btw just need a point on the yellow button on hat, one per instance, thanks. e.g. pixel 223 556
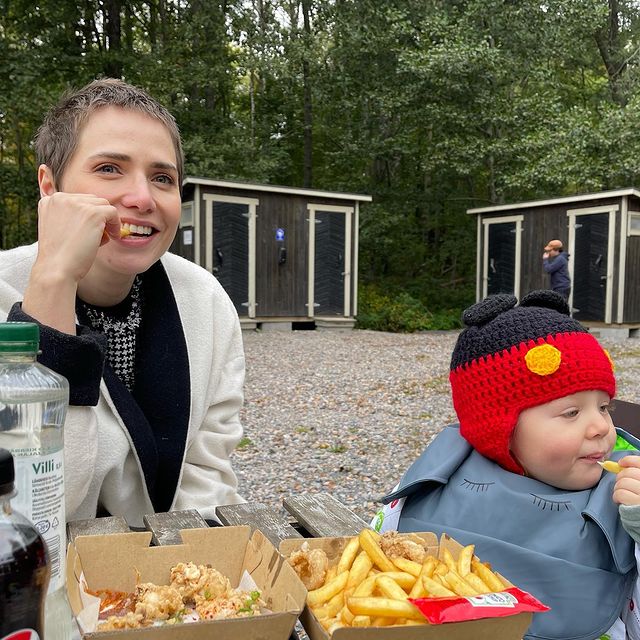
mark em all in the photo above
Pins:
pixel 543 359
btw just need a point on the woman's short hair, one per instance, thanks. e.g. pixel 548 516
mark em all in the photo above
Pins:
pixel 57 137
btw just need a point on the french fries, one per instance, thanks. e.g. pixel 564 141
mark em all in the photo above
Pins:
pixel 368 588
pixel 325 593
pixel 464 560
pixel 372 547
pixel 384 607
pixel 348 555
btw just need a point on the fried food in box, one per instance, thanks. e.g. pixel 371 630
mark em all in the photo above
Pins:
pixel 375 576
pixel 196 592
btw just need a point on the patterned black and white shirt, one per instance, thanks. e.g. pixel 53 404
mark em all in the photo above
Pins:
pixel 120 324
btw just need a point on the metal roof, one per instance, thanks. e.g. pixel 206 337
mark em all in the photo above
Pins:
pixel 541 203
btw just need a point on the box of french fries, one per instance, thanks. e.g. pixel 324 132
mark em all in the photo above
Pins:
pixel 405 586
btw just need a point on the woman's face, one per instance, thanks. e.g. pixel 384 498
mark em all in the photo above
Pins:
pixel 128 158
pixel 560 442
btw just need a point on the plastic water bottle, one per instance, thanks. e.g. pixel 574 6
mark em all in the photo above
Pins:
pixel 24 566
pixel 33 406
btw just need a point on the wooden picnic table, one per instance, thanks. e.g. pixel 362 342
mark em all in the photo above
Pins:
pixel 310 516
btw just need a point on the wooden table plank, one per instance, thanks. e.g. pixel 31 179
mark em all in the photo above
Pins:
pixel 273 524
pixel 324 516
pixel 96 526
pixel 165 527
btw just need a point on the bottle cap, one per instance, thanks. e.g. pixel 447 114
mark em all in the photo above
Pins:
pixel 19 337
pixel 7 472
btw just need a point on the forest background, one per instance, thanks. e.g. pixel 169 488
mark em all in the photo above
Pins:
pixel 430 106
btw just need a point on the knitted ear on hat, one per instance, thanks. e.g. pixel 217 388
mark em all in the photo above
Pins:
pixel 510 358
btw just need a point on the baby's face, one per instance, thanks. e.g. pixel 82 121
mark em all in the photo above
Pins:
pixel 560 442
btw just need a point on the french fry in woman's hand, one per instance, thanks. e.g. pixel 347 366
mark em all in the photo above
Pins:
pixel 124 232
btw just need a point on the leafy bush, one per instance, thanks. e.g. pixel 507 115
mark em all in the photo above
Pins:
pixel 400 313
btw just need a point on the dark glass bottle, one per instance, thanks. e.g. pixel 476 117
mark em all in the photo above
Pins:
pixel 24 565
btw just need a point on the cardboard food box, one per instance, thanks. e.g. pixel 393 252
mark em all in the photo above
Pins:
pixel 508 628
pixel 111 562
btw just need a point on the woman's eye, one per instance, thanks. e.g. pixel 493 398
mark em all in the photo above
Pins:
pixel 164 179
pixel 107 168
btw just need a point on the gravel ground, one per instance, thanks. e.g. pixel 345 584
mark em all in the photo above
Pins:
pixel 346 412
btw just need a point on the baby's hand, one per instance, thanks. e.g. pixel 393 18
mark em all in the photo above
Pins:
pixel 627 488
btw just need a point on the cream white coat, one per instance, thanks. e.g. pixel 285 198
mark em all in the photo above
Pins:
pixel 101 464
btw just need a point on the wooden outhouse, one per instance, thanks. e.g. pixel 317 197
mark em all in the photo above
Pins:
pixel 284 255
pixel 601 234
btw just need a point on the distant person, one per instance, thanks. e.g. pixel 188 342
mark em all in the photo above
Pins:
pixel 556 263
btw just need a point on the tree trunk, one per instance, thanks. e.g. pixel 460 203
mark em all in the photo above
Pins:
pixel 613 53
pixel 113 32
pixel 307 107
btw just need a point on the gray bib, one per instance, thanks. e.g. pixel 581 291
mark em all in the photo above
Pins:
pixel 567 548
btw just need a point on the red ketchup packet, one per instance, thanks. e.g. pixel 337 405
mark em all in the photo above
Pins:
pixel 488 605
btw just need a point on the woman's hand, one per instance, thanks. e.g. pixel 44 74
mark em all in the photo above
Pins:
pixel 70 232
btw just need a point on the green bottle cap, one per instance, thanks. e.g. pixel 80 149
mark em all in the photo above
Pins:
pixel 19 337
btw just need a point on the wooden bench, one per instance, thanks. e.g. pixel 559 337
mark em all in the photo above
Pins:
pixel 311 516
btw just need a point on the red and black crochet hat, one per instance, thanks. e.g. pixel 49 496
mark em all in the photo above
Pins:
pixel 510 358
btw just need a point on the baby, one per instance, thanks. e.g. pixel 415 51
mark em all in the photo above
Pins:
pixel 519 476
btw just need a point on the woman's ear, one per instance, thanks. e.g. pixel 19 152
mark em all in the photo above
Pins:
pixel 45 181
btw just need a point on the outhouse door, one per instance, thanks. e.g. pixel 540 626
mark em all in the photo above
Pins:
pixel 591 233
pixel 329 278
pixel 229 238
pixel 502 248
